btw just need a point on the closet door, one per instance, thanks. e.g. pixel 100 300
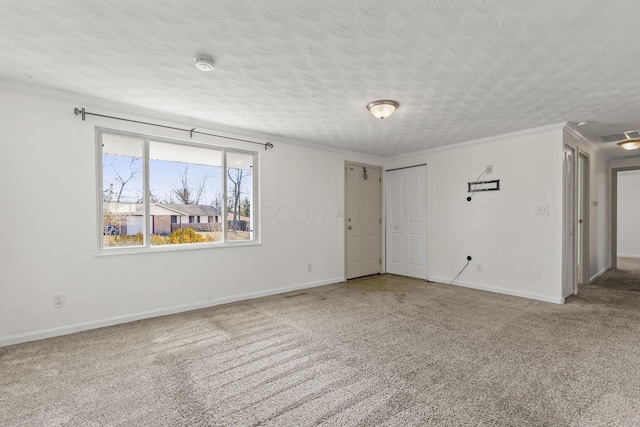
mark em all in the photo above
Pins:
pixel 406 222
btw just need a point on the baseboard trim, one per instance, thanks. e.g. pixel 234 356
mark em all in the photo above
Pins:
pixel 85 326
pixel 599 273
pixel 628 256
pixel 496 290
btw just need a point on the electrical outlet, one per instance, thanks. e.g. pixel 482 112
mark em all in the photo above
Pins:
pixel 542 210
pixel 309 268
pixel 478 268
pixel 59 301
pixel 489 168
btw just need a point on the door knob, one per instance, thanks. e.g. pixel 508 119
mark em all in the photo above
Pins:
pixel 350 227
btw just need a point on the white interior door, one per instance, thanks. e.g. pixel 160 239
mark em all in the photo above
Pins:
pixel 406 222
pixel 363 220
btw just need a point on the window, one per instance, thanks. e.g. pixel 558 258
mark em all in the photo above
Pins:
pixel 166 193
pixel 239 195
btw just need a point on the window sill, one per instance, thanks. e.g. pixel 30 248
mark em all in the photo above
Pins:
pixel 174 248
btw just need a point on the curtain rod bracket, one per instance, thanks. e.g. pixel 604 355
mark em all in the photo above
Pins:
pixel 267 146
pixel 191 132
pixel 78 111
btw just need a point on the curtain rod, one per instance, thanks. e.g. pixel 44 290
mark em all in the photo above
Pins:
pixel 406 167
pixel 83 112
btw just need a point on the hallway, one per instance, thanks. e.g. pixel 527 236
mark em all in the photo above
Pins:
pixel 626 277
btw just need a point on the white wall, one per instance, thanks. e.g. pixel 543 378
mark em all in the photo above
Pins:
pixel 520 252
pixel 599 209
pixel 629 214
pixel 47 170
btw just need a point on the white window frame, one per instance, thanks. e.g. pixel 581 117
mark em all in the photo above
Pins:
pixel 147 246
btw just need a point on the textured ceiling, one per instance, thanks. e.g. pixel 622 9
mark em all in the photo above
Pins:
pixel 306 69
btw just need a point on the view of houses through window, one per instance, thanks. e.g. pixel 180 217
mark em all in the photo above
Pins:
pixel 195 193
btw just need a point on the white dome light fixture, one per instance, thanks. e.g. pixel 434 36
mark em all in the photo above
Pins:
pixel 631 144
pixel 383 108
pixel 203 63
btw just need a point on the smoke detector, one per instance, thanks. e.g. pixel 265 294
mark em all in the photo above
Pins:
pixel 203 63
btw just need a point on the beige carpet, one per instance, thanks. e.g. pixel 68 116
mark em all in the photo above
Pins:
pixel 625 277
pixel 343 355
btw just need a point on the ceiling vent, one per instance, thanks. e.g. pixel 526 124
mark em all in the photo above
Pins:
pixel 632 134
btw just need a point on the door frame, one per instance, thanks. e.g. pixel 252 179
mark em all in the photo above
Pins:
pixel 614 212
pixel 583 204
pixel 573 215
pixel 347 163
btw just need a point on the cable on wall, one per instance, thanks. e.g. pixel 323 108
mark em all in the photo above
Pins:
pixel 82 112
pixel 476 186
pixel 463 268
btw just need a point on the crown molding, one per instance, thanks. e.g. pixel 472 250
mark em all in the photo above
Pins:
pixel 595 147
pixel 150 114
pixel 233 132
pixel 123 108
pixel 484 140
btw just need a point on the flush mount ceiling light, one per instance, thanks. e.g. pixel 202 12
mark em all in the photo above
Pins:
pixel 583 123
pixel 630 144
pixel 383 108
pixel 203 63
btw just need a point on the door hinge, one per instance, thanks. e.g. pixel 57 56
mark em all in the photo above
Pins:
pixel 380 220
pixel 380 180
pixel 380 261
